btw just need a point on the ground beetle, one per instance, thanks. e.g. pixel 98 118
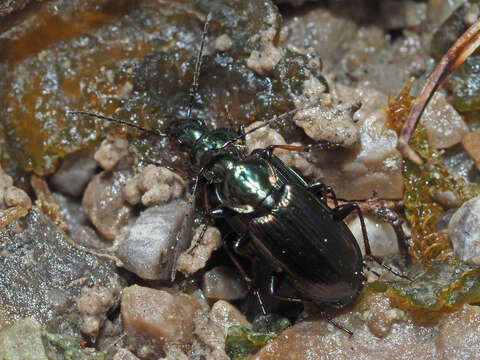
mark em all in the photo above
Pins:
pixel 267 204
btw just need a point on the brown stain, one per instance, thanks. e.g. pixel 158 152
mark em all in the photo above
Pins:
pixel 51 29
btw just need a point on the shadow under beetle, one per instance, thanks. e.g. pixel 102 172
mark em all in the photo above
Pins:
pixel 284 220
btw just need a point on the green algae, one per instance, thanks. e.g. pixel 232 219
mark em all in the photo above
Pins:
pixel 440 287
pixel 422 182
pixel 242 341
pixel 66 348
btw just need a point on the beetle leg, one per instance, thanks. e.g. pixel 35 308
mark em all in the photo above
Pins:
pixel 231 250
pixel 320 145
pixel 391 217
pixel 242 271
pixel 341 212
pixel 273 289
pixel 323 189
pixel 212 214
pixel 240 245
pixel 327 317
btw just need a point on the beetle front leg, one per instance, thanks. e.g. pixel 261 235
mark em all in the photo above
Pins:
pixel 231 250
pixel 211 214
pixel 323 189
pixel 341 212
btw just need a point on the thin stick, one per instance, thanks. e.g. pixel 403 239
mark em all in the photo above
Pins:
pixel 456 55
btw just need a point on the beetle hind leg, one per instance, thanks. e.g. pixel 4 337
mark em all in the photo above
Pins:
pixel 327 317
pixel 320 145
pixel 341 212
pixel 323 190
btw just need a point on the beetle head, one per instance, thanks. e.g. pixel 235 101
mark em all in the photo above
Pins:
pixel 185 132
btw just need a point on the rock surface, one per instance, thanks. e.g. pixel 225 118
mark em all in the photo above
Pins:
pixel 464 232
pixel 41 273
pixel 23 341
pixel 380 332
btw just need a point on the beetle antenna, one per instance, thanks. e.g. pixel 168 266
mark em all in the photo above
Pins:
pixel 266 123
pixel 196 73
pixel 116 121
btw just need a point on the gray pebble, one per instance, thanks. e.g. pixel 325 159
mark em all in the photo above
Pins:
pixel 464 231
pixel 224 283
pixel 149 247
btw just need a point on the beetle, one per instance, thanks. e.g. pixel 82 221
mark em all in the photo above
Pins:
pixel 285 221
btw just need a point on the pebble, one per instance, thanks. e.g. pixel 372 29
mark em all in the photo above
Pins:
pixel 459 334
pixel 93 305
pixel 225 283
pixel 439 10
pixel 6 181
pixel 471 144
pixel 153 186
pixel 113 153
pixel 74 174
pixel 124 354
pixel 104 203
pixel 189 263
pixel 382 238
pixel 223 43
pixel 158 315
pixel 17 197
pixel 464 232
pixel 226 315
pixel 264 60
pixel 324 118
pixel 372 165
pixel 445 127
pixel 150 245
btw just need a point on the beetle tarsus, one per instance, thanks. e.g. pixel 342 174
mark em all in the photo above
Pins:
pixel 327 317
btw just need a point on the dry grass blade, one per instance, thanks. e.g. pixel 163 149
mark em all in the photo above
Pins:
pixel 456 55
